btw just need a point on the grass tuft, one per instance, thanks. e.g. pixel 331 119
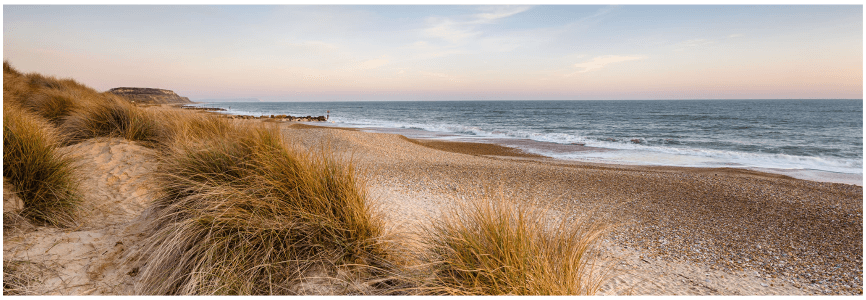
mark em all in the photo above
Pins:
pixel 54 105
pixel 493 247
pixel 38 81
pixel 244 214
pixel 112 116
pixel 181 126
pixel 42 176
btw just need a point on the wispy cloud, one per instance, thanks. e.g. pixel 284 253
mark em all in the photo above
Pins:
pixel 459 29
pixel 603 11
pixel 602 61
pixel 493 13
pixel 451 31
pixel 588 22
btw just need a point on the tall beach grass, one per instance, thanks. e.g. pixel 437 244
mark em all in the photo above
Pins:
pixel 243 213
pixel 15 87
pixel 114 117
pixel 41 175
pixel 54 105
pixel 493 246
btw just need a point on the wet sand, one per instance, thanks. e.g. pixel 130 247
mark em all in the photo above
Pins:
pixel 739 231
pixel 472 148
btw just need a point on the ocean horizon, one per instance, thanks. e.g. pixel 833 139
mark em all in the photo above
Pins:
pixel 804 138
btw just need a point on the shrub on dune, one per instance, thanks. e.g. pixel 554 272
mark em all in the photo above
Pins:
pixel 42 176
pixel 244 214
pixel 493 247
pixel 54 105
pixel 193 126
pixel 112 116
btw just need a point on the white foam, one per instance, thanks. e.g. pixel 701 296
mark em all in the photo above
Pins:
pixel 638 153
pixel 713 158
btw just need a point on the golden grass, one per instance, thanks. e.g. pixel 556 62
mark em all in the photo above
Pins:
pixel 42 177
pixel 54 105
pixel 15 86
pixel 80 112
pixel 114 117
pixel 491 246
pixel 183 125
pixel 7 68
pixel 245 214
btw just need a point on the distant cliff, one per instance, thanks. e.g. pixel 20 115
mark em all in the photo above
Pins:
pixel 149 95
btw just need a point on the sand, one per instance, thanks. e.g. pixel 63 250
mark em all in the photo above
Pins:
pixel 90 258
pixel 683 231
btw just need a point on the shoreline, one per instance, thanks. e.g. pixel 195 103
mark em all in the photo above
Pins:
pixel 506 150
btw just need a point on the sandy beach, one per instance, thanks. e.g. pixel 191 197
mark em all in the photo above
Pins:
pixel 684 230
pixel 681 231
pixel 582 149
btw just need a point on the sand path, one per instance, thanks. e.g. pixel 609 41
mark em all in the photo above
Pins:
pixel 89 259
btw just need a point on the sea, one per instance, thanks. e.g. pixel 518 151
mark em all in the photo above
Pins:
pixel 810 139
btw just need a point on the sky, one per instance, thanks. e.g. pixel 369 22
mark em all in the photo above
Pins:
pixel 458 52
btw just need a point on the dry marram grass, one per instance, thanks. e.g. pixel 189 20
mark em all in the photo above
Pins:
pixel 492 246
pixel 19 277
pixel 42 176
pixel 112 116
pixel 244 214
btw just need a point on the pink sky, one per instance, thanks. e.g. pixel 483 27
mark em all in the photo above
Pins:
pixel 325 53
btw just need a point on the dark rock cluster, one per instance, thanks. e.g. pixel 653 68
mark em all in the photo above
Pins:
pixel 282 117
